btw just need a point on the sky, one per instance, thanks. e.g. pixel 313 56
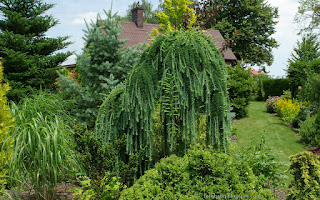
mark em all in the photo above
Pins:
pixel 71 15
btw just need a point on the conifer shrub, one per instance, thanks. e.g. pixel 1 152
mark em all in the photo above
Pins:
pixel 259 93
pixel 184 75
pixel 310 130
pixel 305 168
pixel 102 66
pixel 240 88
pixel 6 122
pixel 200 172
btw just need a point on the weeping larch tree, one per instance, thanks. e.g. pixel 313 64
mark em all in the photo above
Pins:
pixel 183 75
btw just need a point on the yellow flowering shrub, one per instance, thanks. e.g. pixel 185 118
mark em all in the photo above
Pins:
pixel 288 109
pixel 6 122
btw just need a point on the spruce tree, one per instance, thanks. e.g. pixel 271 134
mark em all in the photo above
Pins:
pixel 102 66
pixel 28 54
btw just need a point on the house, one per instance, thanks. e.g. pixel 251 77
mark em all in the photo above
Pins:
pixel 255 72
pixel 137 32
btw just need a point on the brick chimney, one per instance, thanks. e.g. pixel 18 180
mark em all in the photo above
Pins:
pixel 137 16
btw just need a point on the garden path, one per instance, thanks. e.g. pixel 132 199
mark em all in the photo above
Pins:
pixel 277 134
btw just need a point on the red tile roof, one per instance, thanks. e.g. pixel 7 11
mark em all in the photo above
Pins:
pixel 255 72
pixel 137 35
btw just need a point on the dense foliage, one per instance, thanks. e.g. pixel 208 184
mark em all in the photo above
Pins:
pixel 42 154
pixel 305 168
pixel 271 103
pixel 310 130
pixel 28 54
pixel 177 15
pixel 288 109
pixel 246 25
pixel 184 79
pixel 199 173
pixel 103 65
pixel 275 87
pixel 240 88
pixel 308 11
pixel 259 93
pixel 6 122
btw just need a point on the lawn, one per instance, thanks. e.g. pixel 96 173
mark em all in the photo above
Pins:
pixel 277 134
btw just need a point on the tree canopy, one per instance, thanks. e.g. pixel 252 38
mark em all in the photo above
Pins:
pixel 29 56
pixel 246 25
pixel 308 15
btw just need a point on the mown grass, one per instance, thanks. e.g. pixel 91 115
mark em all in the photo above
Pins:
pixel 277 134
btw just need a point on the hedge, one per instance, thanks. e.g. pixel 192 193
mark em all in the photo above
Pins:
pixel 275 87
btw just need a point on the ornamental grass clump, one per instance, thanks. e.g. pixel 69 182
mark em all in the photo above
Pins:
pixel 288 109
pixel 270 103
pixel 42 155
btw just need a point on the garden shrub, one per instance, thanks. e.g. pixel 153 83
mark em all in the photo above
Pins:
pixel 240 88
pixel 288 109
pixel 198 173
pixel 259 93
pixel 109 188
pixel 98 158
pixel 271 103
pixel 305 168
pixel 310 130
pixel 185 74
pixel 6 122
pixel 42 154
pixel 298 72
pixel 275 87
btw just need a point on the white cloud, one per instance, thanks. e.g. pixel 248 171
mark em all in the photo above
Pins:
pixel 80 19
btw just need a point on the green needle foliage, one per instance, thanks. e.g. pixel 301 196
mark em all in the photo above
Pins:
pixel 28 54
pixel 42 155
pixel 103 65
pixel 183 74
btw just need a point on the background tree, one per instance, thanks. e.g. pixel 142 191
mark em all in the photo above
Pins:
pixel 304 61
pixel 149 15
pixel 28 54
pixel 308 13
pixel 177 15
pixel 103 65
pixel 246 25
pixel 307 50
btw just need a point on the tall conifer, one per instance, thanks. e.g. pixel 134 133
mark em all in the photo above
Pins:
pixel 102 66
pixel 28 54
